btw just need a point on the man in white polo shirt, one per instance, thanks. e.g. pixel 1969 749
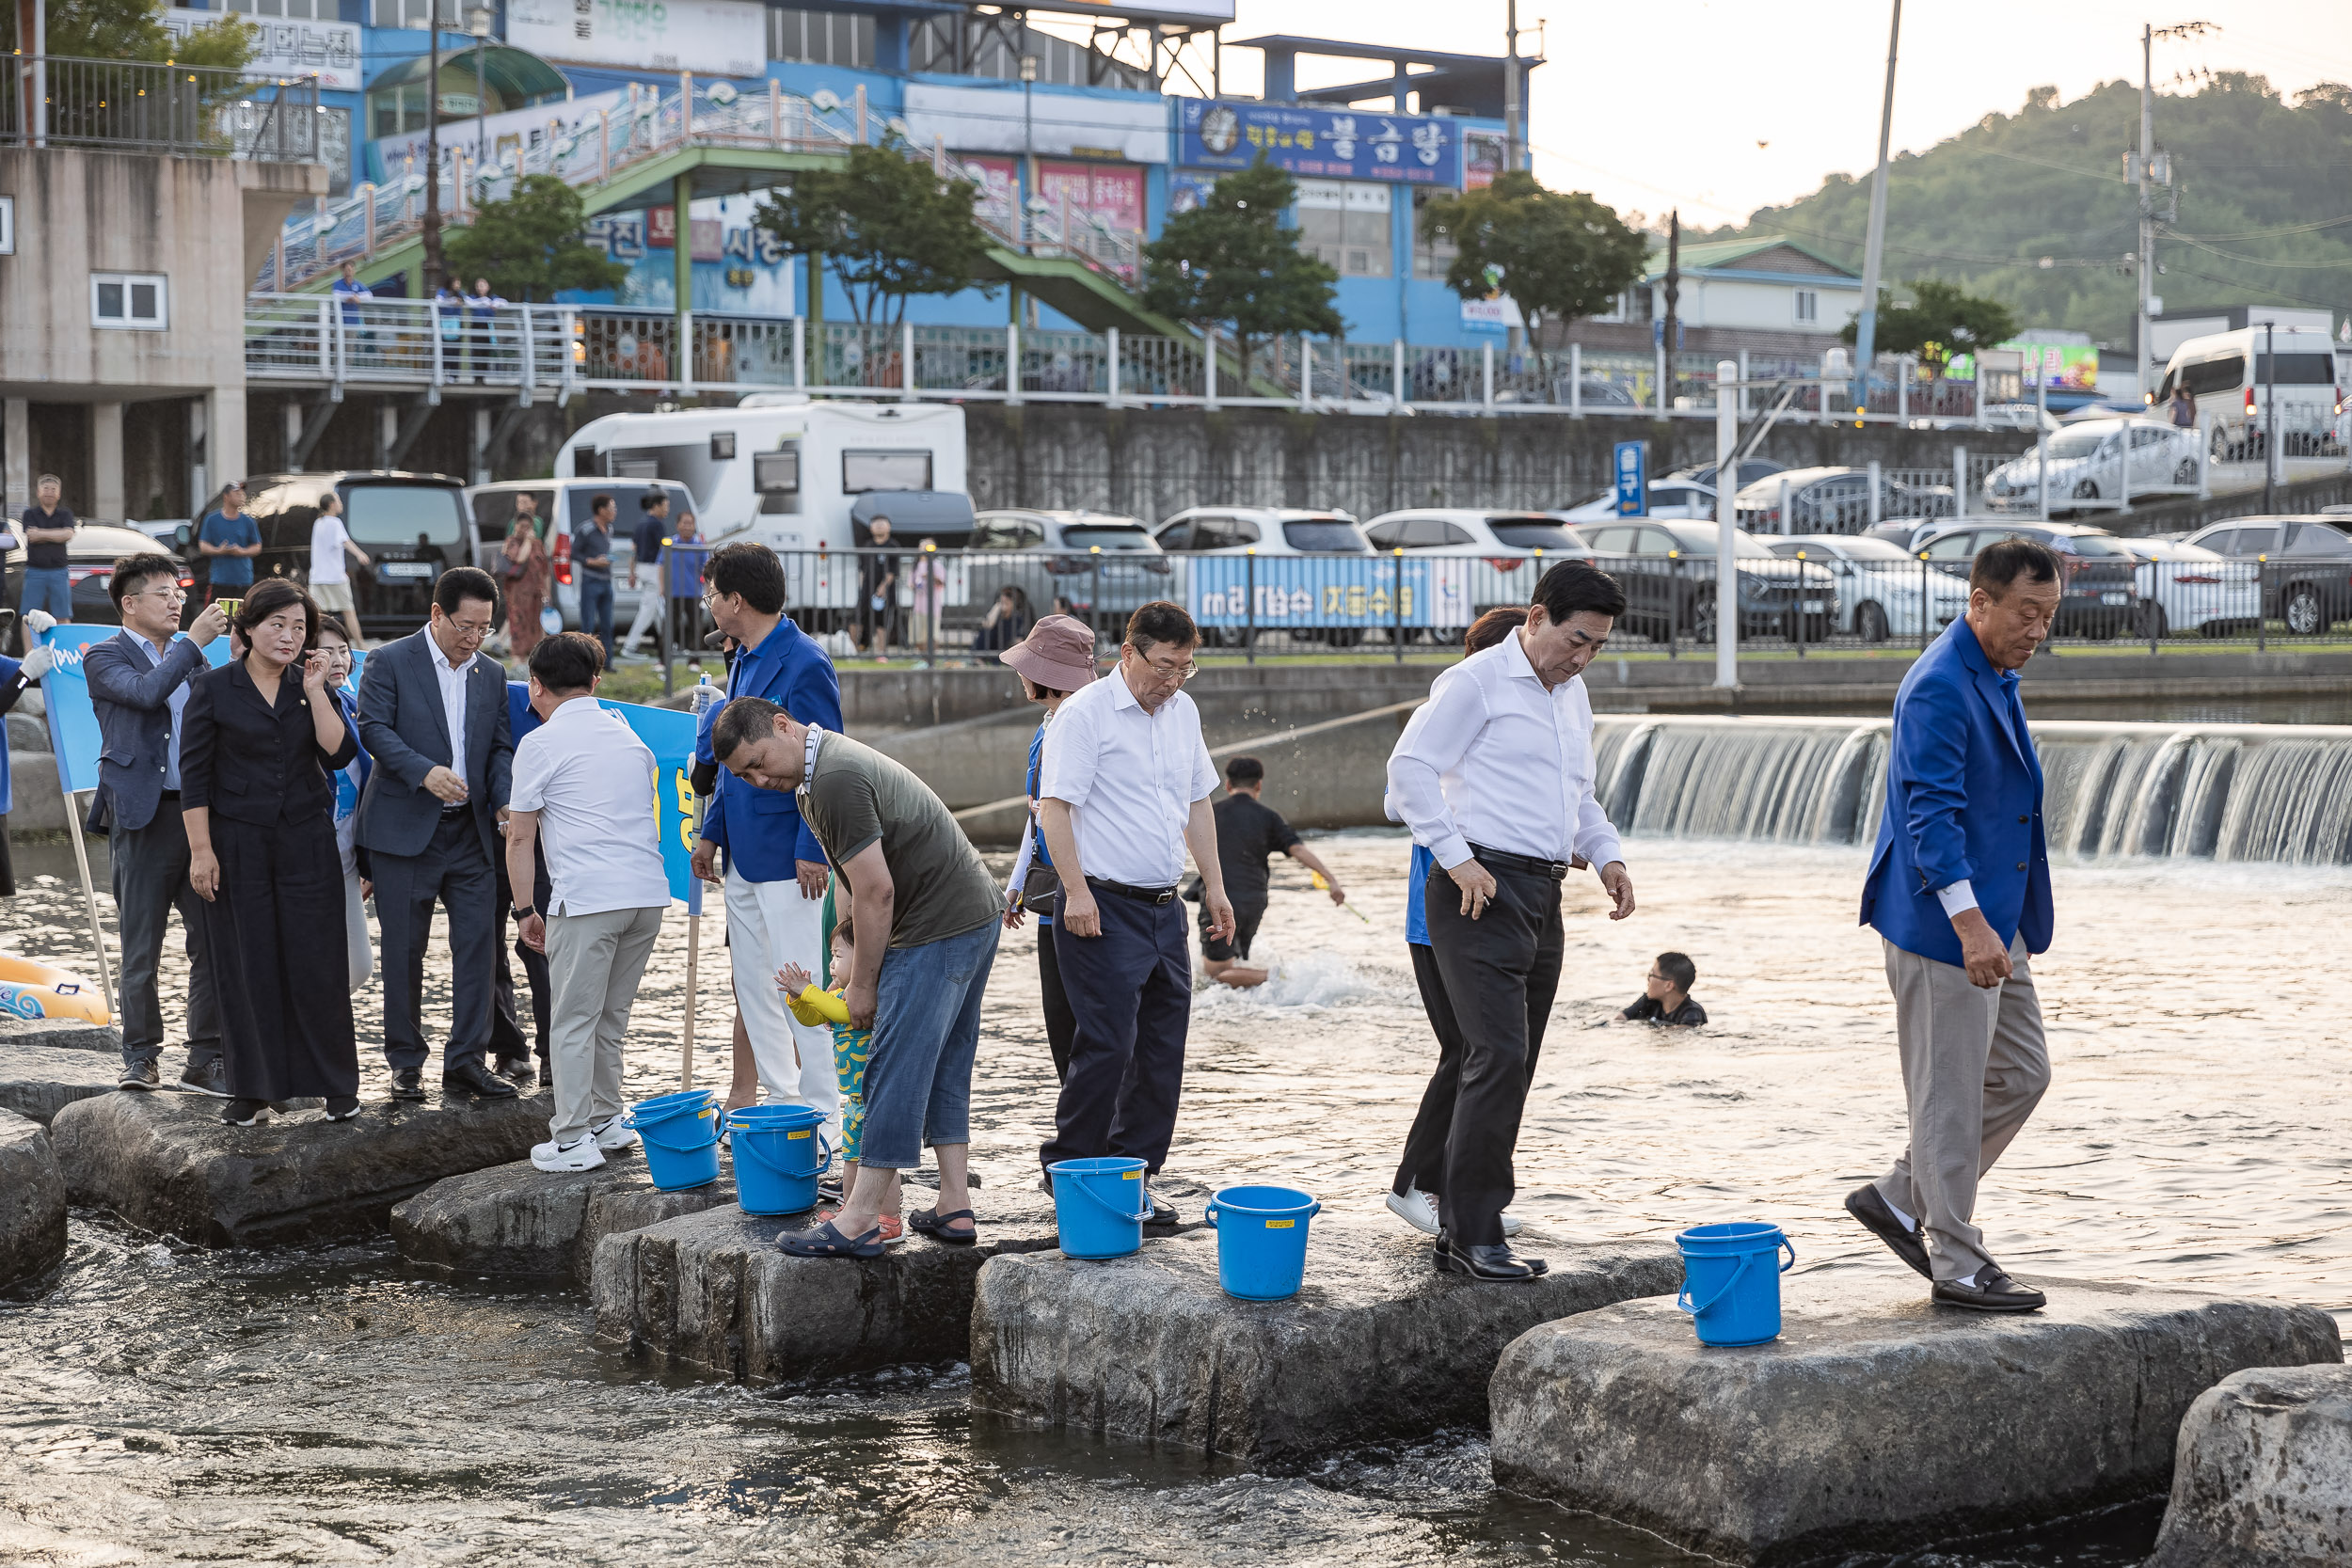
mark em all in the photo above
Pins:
pixel 585 779
pixel 1124 783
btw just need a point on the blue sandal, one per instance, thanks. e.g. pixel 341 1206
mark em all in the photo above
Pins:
pixel 827 1241
pixel 931 1223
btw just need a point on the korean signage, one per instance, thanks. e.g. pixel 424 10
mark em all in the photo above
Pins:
pixel 289 48
pixel 1110 194
pixel 999 185
pixel 1335 144
pixel 2069 367
pixel 738 267
pixel 723 38
pixel 1632 467
pixel 1325 591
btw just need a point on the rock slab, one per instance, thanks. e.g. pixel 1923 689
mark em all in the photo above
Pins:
pixel 709 1294
pixel 518 1220
pixel 2265 1477
pixel 1877 1422
pixel 38 1082
pixel 1377 1345
pixel 167 1164
pixel 32 1203
pixel 66 1034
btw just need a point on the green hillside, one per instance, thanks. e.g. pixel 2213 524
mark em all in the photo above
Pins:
pixel 2031 207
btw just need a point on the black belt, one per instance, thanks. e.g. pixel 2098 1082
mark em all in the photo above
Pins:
pixel 1140 894
pixel 168 795
pixel 1556 870
pixel 448 812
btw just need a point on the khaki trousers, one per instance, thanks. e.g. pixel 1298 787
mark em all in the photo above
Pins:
pixel 1975 1065
pixel 595 962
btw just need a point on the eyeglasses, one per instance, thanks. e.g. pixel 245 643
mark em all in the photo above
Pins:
pixel 167 594
pixel 472 631
pixel 1177 673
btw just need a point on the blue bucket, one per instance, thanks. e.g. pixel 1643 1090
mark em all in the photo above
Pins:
pixel 1262 1240
pixel 779 1154
pixel 681 1138
pixel 1729 1284
pixel 1099 1206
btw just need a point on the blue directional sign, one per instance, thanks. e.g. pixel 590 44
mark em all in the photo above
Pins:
pixel 1632 471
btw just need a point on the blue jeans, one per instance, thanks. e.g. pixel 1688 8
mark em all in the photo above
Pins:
pixel 927 1028
pixel 48 589
pixel 596 612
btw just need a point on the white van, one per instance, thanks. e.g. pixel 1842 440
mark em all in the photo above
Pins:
pixel 2228 373
pixel 563 505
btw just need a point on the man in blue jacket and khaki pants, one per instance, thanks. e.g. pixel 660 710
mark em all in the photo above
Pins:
pixel 1960 892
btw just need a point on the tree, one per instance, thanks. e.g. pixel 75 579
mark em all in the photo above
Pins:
pixel 1942 320
pixel 529 244
pixel 1559 255
pixel 888 226
pixel 1232 262
pixel 134 30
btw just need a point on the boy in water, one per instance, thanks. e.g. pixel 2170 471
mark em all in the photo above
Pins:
pixel 813 1005
pixel 1666 994
pixel 1247 833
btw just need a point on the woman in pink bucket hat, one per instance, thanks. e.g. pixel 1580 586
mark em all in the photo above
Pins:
pixel 1054 661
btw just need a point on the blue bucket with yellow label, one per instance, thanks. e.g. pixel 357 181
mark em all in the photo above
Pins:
pixel 680 1133
pixel 780 1152
pixel 1262 1241
pixel 1099 1206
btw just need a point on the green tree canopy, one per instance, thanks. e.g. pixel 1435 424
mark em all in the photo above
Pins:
pixel 1559 255
pixel 529 244
pixel 1233 263
pixel 888 227
pixel 134 30
pixel 1940 320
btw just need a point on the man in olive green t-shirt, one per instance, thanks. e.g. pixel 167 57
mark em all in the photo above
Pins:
pixel 912 872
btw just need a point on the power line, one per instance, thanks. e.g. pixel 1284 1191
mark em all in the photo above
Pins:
pixel 2270 233
pixel 2062 168
pixel 2258 261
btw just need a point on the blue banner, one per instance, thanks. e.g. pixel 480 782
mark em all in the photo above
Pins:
pixel 1323 591
pixel 1329 144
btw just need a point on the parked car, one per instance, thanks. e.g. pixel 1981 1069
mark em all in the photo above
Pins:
pixel 89 566
pixel 1267 529
pixel 1668 572
pixel 1085 561
pixel 1667 497
pixel 1830 500
pixel 2306 566
pixel 1488 558
pixel 1904 532
pixel 1882 588
pixel 2230 376
pixel 414 528
pixel 2099 589
pixel 2087 464
pixel 2019 415
pixel 166 530
pixel 1751 470
pixel 2187 585
pixel 564 504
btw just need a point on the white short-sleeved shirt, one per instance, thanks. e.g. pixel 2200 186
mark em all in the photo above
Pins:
pixel 1130 778
pixel 327 537
pixel 592 781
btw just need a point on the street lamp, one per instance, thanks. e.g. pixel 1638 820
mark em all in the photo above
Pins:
pixel 478 22
pixel 1028 141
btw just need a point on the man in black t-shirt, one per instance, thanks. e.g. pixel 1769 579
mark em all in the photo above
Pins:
pixel 1667 997
pixel 1248 832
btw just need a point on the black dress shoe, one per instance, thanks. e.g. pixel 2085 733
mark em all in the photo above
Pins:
pixel 1496 1262
pixel 516 1070
pixel 141 1076
pixel 1163 1215
pixel 1993 1291
pixel 1868 1206
pixel 408 1083
pixel 211 1078
pixel 475 1079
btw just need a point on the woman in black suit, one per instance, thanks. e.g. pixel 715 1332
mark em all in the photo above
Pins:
pixel 259 740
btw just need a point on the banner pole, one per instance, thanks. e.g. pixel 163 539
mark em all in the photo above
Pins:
pixel 89 895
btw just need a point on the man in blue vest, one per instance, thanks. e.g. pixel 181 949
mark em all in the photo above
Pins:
pixel 1959 891
pixel 777 873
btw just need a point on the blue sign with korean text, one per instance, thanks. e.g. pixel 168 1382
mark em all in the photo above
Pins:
pixel 1632 471
pixel 1271 591
pixel 1331 144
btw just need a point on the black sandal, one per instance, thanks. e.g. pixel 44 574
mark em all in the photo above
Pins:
pixel 931 1223
pixel 828 1239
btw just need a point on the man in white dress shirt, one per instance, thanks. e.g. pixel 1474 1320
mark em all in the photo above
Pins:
pixel 1494 775
pixel 1124 785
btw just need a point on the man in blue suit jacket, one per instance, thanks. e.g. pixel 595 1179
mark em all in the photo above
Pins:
pixel 1959 892
pixel 777 874
pixel 433 715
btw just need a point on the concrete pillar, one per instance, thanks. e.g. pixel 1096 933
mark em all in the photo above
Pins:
pixel 199 470
pixel 16 454
pixel 105 461
pixel 481 444
pixel 387 431
pixel 224 418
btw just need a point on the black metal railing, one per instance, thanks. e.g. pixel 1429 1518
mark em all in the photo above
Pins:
pixel 132 105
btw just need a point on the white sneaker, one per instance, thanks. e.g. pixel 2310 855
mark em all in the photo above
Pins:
pixel 581 1153
pixel 1416 1209
pixel 1510 1224
pixel 614 1136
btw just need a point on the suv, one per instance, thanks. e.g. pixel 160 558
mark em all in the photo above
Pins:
pixel 1267 530
pixel 2305 565
pixel 1830 501
pixel 2099 578
pixel 1086 561
pixel 414 528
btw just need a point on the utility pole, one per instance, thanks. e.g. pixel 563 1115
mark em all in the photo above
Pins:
pixel 1670 334
pixel 2147 210
pixel 1874 245
pixel 1511 137
pixel 432 231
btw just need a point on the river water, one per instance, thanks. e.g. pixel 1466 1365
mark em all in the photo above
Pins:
pixel 168 1405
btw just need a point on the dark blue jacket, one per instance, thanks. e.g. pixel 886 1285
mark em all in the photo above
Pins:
pixel 1963 799
pixel 405 731
pixel 131 699
pixel 761 829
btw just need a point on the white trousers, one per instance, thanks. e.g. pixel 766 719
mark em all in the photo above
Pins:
pixel 355 933
pixel 649 610
pixel 770 924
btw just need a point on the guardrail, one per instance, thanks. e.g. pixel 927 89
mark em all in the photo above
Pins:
pixel 132 105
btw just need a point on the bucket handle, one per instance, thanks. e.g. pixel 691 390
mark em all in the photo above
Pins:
pixel 1115 1213
pixel 679 1149
pixel 1314 1207
pixel 752 1148
pixel 1682 1297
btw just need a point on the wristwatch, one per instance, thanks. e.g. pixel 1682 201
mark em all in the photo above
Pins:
pixel 524 911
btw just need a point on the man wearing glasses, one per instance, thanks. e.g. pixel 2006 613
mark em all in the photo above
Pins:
pixel 1124 786
pixel 139 684
pixel 433 717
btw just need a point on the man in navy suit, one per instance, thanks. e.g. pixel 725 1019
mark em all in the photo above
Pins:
pixel 433 715
pixel 1959 892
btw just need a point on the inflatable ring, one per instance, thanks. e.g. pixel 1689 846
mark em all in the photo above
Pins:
pixel 32 990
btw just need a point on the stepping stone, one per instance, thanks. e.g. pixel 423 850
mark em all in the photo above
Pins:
pixel 520 1220
pixel 1877 1422
pixel 32 1203
pixel 38 1082
pixel 2264 1477
pixel 709 1294
pixel 1378 1345
pixel 66 1034
pixel 167 1164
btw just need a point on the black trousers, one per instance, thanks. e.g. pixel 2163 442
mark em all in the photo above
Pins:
pixel 454 872
pixel 1499 974
pixel 508 1043
pixel 150 878
pixel 275 927
pixel 1130 990
pixel 1062 1024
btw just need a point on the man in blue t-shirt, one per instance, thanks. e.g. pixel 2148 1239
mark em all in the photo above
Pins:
pixel 228 541
pixel 591 561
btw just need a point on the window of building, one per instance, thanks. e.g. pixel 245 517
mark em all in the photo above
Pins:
pixel 1431 258
pixel 1346 224
pixel 133 300
pixel 820 37
pixel 308 11
pixel 385 13
pixel 1809 304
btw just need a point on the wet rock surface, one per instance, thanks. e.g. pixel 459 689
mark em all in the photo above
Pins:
pixel 165 1162
pixel 63 1033
pixel 2264 1474
pixel 1377 1345
pixel 1877 1422
pixel 32 1203
pixel 37 1082
pixel 518 1220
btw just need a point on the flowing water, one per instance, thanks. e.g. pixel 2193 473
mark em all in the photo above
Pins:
pixel 167 1404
